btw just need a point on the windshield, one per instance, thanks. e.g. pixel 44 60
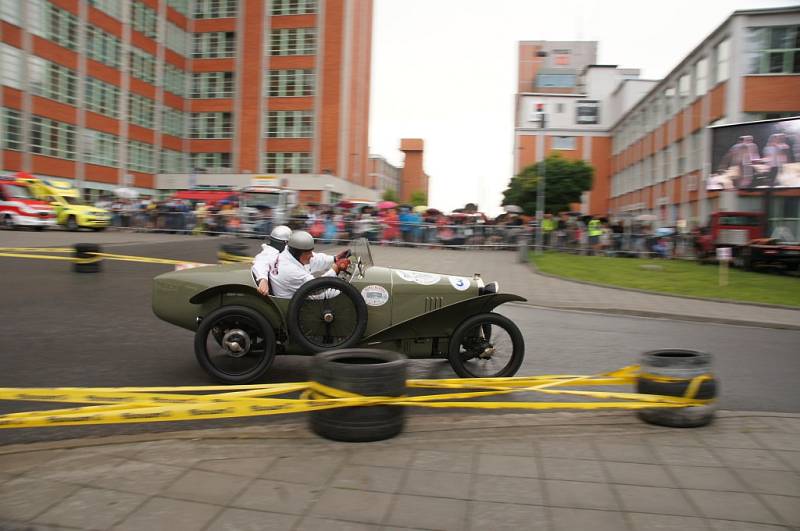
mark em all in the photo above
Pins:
pixel 74 200
pixel 748 221
pixel 360 248
pixel 254 200
pixel 20 192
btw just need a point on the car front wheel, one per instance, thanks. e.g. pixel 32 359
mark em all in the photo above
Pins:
pixel 487 345
pixel 235 344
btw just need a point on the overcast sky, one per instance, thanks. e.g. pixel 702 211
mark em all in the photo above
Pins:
pixel 446 71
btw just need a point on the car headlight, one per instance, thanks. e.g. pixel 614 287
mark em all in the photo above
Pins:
pixel 491 287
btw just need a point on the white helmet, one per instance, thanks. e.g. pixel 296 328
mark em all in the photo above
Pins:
pixel 281 233
pixel 301 241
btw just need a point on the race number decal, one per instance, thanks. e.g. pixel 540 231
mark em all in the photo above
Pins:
pixel 375 295
pixel 426 279
pixel 460 283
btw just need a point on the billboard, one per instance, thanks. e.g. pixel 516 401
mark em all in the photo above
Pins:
pixel 755 155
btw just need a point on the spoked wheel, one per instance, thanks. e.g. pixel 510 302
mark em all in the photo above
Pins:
pixel 235 344
pixel 327 313
pixel 486 345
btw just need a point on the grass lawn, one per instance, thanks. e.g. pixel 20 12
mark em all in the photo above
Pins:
pixel 678 277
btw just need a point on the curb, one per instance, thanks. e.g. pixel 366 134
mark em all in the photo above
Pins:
pixel 559 424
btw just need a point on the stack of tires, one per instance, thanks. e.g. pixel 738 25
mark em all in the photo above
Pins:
pixel 367 372
pixel 682 373
pixel 86 261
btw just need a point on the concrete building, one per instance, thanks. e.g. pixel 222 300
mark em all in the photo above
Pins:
pixel 383 174
pixel 165 94
pixel 406 179
pixel 649 140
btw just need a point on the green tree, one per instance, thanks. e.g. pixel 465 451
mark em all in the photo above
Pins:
pixel 565 181
pixel 419 198
pixel 389 195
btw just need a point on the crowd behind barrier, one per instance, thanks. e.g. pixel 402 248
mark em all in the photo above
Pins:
pixel 401 226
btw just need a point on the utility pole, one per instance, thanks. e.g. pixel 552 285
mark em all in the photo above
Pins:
pixel 540 184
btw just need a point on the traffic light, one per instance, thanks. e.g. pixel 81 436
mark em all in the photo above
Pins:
pixel 540 115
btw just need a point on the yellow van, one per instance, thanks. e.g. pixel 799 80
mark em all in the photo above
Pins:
pixel 71 211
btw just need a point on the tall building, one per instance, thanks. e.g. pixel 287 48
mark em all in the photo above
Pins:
pixel 649 140
pixel 167 94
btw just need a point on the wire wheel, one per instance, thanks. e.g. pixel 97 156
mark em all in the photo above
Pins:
pixel 486 345
pixel 327 313
pixel 235 344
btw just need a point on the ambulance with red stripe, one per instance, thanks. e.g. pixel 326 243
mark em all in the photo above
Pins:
pixel 18 208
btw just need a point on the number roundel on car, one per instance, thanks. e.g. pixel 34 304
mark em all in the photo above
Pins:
pixel 460 283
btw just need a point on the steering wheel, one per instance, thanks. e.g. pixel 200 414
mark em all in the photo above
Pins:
pixel 355 265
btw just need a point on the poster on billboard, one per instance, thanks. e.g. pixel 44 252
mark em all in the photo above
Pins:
pixel 755 155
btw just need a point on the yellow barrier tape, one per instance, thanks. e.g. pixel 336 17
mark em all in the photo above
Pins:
pixel 162 404
pixel 96 257
pixel 37 249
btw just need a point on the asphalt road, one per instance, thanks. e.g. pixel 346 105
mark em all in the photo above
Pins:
pixel 59 328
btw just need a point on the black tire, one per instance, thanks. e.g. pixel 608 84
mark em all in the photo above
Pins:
pixel 8 222
pixel 84 251
pixel 305 316
pixel 682 366
pixel 220 362
pixel 367 372
pixel 72 224
pixel 39 228
pixel 471 337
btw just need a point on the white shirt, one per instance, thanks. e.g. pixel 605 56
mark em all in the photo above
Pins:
pixel 288 274
pixel 263 261
pixel 320 262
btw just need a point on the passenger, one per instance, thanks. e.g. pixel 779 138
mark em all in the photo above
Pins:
pixel 289 271
pixel 266 258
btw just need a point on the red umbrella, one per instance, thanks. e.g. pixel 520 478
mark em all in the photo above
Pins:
pixel 386 204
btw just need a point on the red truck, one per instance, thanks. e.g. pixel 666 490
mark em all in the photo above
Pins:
pixel 20 208
pixel 728 229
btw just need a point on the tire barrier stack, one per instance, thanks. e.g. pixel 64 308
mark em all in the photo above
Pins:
pixel 86 259
pixel 683 373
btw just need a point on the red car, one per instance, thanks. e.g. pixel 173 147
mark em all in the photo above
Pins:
pixel 18 208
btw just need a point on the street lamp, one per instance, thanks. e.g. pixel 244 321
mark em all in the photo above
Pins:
pixel 540 184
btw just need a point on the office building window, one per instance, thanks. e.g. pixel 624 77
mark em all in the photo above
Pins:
pixel 174 79
pixel 292 162
pixel 173 122
pixel 290 124
pixel 722 58
pixel 293 7
pixel 52 81
pixel 212 85
pixel 211 125
pixel 563 142
pixel 140 157
pixel 556 80
pixel 701 77
pixel 773 50
pixel 101 97
pixel 10 11
pixel 12 129
pixel 172 161
pixel 214 44
pixel 141 110
pixel 143 19
pixel 669 96
pixel 681 151
pixel 684 91
pixel 61 27
pixel 175 39
pixel 587 112
pixel 295 41
pixel 103 47
pixel 100 148
pixel 290 83
pixel 12 66
pixel 112 8
pixel 215 8
pixel 52 138
pixel 181 6
pixel 143 65
pixel 210 161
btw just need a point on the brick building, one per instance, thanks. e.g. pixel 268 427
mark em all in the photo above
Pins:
pixel 166 94
pixel 649 140
pixel 406 179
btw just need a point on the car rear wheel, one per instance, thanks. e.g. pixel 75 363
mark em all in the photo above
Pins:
pixel 8 222
pixel 326 313
pixel 235 344
pixel 487 345
pixel 72 223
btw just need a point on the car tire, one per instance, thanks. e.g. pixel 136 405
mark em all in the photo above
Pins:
pixel 367 372
pixel 680 366
pixel 467 329
pixel 72 224
pixel 243 317
pixel 8 222
pixel 299 301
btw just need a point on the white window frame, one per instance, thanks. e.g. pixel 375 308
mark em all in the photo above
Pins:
pixel 565 143
pixel 289 124
pixel 288 162
pixel 293 41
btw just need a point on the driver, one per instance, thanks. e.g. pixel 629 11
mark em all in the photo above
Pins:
pixel 266 258
pixel 289 271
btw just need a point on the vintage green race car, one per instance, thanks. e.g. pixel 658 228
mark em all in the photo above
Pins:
pixel 238 332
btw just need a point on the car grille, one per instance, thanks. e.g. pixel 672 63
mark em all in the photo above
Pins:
pixel 433 303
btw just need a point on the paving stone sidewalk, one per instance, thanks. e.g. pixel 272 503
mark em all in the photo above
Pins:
pixel 553 292
pixel 550 471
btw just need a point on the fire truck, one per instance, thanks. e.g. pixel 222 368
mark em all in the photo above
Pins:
pixel 19 208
